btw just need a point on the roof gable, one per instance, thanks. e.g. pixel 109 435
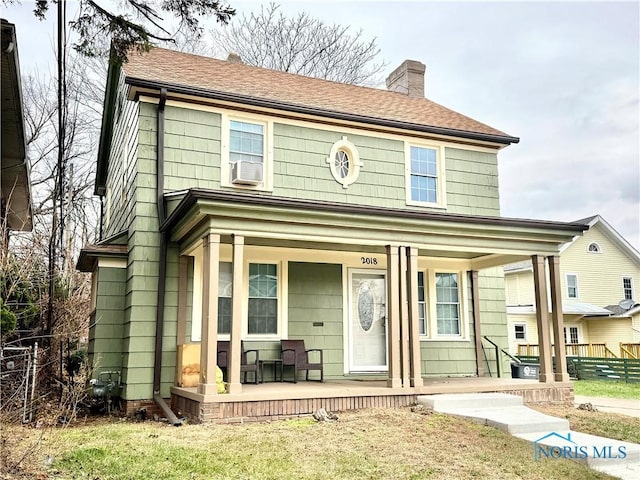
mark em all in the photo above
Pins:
pixel 205 76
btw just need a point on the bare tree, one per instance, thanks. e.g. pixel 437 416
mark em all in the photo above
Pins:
pixel 302 45
pixel 137 24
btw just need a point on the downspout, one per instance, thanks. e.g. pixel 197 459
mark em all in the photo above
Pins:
pixel 162 268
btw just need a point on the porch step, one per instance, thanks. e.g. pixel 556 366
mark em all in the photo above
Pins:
pixel 469 400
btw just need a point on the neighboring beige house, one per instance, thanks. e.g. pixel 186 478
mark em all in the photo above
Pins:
pixel 600 272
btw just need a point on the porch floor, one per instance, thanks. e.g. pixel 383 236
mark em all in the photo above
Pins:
pixel 282 400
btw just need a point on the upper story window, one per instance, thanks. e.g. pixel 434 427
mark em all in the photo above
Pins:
pixel 425 176
pixel 627 287
pixel 594 248
pixel 344 162
pixel 247 158
pixel 572 286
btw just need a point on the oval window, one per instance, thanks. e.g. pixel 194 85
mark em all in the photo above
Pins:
pixel 344 162
pixel 365 307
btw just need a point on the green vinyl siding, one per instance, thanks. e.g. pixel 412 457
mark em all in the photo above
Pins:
pixel 315 296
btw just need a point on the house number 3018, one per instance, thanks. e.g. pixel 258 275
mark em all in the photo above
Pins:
pixel 369 260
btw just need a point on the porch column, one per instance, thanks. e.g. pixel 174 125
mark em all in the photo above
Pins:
pixel 182 313
pixel 561 374
pixel 209 337
pixel 415 371
pixel 542 318
pixel 404 315
pixel 475 299
pixel 235 386
pixel 393 317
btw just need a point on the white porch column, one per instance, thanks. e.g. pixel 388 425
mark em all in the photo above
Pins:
pixel 235 385
pixel 415 371
pixel 542 318
pixel 393 317
pixel 209 337
pixel 561 374
pixel 404 316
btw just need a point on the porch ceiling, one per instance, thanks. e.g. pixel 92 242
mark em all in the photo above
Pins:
pixel 274 221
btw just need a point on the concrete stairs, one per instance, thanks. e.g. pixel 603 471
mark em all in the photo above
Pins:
pixel 551 436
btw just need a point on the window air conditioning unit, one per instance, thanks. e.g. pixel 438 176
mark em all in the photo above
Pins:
pixel 244 172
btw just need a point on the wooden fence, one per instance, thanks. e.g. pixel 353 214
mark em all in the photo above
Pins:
pixel 572 349
pixel 594 368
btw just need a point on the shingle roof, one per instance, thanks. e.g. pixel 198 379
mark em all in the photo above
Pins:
pixel 205 74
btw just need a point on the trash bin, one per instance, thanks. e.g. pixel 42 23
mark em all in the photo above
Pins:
pixel 525 370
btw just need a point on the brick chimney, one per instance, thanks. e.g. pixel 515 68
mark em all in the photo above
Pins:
pixel 408 78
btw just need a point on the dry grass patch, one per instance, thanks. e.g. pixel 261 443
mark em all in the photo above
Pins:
pixel 609 425
pixel 372 444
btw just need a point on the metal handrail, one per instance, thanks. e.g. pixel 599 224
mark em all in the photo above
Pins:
pixel 499 349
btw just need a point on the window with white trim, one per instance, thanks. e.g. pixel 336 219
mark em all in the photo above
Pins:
pixel 225 290
pixel 422 305
pixel 572 336
pixel 344 162
pixel 246 153
pixel 447 304
pixel 263 299
pixel 627 288
pixel 572 285
pixel 425 175
pixel 520 331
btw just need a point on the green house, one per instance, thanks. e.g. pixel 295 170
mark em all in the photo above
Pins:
pixel 246 204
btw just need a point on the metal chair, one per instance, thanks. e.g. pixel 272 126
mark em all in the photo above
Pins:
pixel 294 354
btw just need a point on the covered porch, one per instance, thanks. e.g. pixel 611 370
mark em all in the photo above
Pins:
pixel 323 257
pixel 272 401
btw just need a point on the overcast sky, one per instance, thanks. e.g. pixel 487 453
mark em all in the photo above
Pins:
pixel 562 76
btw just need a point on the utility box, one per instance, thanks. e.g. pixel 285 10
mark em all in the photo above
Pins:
pixel 525 370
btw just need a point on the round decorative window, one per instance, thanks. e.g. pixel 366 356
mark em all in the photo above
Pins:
pixel 344 162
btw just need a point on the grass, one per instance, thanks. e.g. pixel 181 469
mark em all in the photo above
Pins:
pixel 371 444
pixel 607 388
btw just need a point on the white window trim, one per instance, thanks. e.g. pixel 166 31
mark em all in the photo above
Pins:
pixel 441 181
pixel 431 311
pixel 597 245
pixel 355 164
pixel 568 328
pixel 630 277
pixel 225 166
pixel 519 324
pixel 566 280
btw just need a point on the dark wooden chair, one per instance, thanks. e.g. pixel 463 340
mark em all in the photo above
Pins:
pixel 224 347
pixel 294 354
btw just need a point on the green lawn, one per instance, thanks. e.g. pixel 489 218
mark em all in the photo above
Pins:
pixel 607 388
pixel 368 444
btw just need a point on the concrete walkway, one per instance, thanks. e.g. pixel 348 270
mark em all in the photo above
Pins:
pixel 622 406
pixel 551 436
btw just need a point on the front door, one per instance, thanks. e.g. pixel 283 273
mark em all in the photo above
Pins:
pixel 367 321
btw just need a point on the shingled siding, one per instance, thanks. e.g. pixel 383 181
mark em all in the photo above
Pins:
pixel 122 166
pixel 142 279
pixel 107 319
pixel 192 149
pixel 315 296
pixel 459 358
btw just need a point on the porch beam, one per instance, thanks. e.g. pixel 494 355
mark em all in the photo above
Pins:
pixel 393 317
pixel 477 333
pixel 233 364
pixel 415 356
pixel 561 374
pixel 209 337
pixel 404 316
pixel 542 318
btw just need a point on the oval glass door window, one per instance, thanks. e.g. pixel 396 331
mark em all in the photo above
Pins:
pixel 365 307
